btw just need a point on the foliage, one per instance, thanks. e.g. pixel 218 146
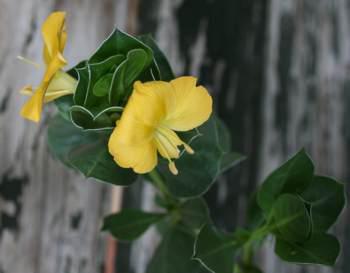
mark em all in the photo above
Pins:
pixel 293 205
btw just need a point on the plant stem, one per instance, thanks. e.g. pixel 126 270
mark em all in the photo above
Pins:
pixel 158 182
pixel 248 248
pixel 248 254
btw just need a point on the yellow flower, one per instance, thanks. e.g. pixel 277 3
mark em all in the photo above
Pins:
pixel 154 112
pixel 55 82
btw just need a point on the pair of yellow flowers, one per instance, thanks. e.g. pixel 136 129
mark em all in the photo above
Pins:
pixel 154 111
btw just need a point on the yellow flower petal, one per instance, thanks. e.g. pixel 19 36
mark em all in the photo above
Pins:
pixel 142 158
pixel 62 84
pixel 33 107
pixel 193 105
pixel 54 35
pixel 147 102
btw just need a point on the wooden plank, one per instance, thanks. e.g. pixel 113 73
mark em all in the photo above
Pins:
pixel 49 216
pixel 279 72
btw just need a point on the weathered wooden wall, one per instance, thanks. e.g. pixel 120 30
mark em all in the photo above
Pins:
pixel 49 216
pixel 278 69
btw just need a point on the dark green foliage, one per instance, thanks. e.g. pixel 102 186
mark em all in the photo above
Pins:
pixel 86 152
pixel 130 224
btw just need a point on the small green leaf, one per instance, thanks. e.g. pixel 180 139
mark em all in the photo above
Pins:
pixel 294 176
pixel 136 61
pixel 327 199
pixel 86 152
pixel 215 250
pixel 248 269
pixel 96 72
pixel 161 62
pixel 321 249
pixel 230 160
pixel 118 42
pixel 129 224
pixel 104 120
pixel 194 213
pixel 101 87
pixel 290 219
pixel 64 105
pixel 174 254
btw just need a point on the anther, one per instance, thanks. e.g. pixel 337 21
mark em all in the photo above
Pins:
pixel 188 148
pixel 173 168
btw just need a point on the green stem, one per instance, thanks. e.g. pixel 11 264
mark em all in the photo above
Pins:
pixel 158 182
pixel 248 254
pixel 248 248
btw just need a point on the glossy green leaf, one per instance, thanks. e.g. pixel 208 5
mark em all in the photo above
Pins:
pixel 64 105
pixel 321 249
pixel 199 171
pixel 194 213
pixel 327 199
pixel 86 120
pixel 102 86
pixel 136 61
pixel 291 221
pixel 215 250
pixel 230 160
pixel 129 224
pixel 294 176
pixel 96 72
pixel 174 254
pixel 118 42
pixel 86 152
pixel 161 64
pixel 248 269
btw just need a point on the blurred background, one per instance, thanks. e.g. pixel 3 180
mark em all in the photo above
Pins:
pixel 279 72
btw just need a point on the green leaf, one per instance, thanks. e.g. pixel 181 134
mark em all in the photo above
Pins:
pixel 230 160
pixel 199 171
pixel 129 224
pixel 194 213
pixel 321 249
pixel 255 217
pixel 294 176
pixel 102 86
pixel 96 72
pixel 105 80
pixel 64 105
pixel 86 152
pixel 290 219
pixel 215 250
pixel 136 61
pixel 118 42
pixel 327 199
pixel 248 269
pixel 86 120
pixel 174 254
pixel 161 64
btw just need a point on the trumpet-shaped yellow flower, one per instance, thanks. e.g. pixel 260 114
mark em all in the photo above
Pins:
pixel 154 112
pixel 55 82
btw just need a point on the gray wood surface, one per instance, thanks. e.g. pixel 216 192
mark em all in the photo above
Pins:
pixel 49 216
pixel 279 70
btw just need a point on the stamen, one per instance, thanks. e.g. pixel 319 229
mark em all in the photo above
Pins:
pixel 27 90
pixel 188 148
pixel 172 168
pixel 23 59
